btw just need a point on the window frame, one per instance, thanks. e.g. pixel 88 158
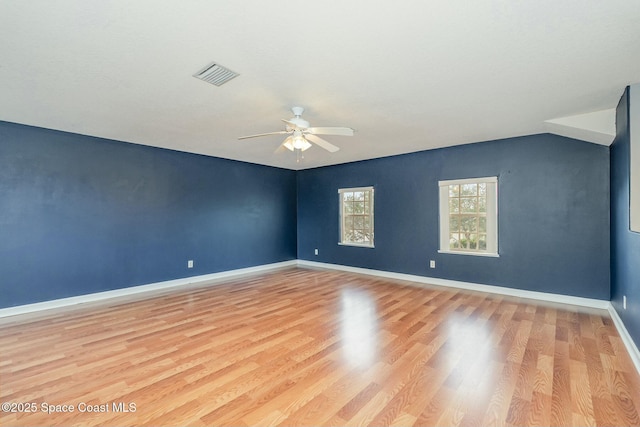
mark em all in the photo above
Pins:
pixel 341 218
pixel 491 216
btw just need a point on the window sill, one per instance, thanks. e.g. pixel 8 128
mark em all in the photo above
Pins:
pixel 484 254
pixel 357 245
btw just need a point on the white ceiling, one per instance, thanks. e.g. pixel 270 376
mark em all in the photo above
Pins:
pixel 407 75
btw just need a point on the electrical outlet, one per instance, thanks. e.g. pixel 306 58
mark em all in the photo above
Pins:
pixel 432 264
pixel 624 302
pixel 190 263
pixel 316 251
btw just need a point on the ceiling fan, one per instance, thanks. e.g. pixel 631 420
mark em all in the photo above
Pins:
pixel 301 135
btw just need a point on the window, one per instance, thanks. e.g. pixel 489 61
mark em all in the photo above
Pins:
pixel 469 216
pixel 356 216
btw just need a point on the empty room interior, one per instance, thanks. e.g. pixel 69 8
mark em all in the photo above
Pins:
pixel 319 213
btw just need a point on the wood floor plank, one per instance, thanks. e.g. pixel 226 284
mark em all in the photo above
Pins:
pixel 304 347
pixel 561 390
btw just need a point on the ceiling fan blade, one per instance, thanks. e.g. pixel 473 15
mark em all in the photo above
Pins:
pixel 295 125
pixel 331 131
pixel 282 132
pixel 322 143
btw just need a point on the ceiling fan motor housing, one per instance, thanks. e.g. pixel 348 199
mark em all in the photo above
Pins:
pixel 297 120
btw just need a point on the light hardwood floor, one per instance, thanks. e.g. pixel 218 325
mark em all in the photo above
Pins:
pixel 300 347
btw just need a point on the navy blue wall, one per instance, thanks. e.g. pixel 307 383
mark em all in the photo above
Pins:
pixel 553 214
pixel 625 244
pixel 81 214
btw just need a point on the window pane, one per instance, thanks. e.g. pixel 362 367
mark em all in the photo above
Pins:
pixel 358 195
pixel 482 189
pixel 454 240
pixel 468 224
pixel 348 207
pixel 358 207
pixel 454 190
pixel 473 241
pixel 482 242
pixel 468 204
pixel 464 241
pixel 454 223
pixel 482 224
pixel 348 222
pixel 482 204
pixel 454 206
pixel 469 189
pixel 358 222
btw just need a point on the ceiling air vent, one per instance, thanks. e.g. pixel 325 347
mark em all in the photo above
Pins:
pixel 215 74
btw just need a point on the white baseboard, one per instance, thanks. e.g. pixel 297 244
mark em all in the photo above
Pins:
pixel 152 287
pixel 632 349
pixel 134 290
pixel 542 296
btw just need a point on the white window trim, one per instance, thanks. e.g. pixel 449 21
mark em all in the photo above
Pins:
pixel 350 190
pixel 358 245
pixel 492 217
pixel 484 254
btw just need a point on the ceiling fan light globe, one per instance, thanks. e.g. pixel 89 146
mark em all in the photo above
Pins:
pixel 288 144
pixel 300 143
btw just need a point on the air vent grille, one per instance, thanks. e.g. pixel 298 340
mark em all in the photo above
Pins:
pixel 215 74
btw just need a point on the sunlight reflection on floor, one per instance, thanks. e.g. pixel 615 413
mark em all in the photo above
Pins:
pixel 359 327
pixel 473 342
